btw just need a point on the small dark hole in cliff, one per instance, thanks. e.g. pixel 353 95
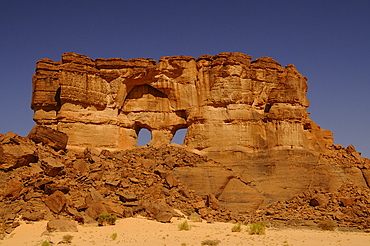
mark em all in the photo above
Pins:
pixel 143 137
pixel 57 98
pixel 267 108
pixel 179 136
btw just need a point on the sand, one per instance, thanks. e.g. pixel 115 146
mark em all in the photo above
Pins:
pixel 140 231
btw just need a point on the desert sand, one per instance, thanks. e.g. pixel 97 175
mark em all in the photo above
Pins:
pixel 140 231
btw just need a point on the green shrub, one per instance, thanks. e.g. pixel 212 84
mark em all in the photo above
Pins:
pixel 237 227
pixel 211 242
pixel 45 243
pixel 106 219
pixel 257 228
pixel 184 226
pixel 327 225
pixel 67 238
pixel 114 236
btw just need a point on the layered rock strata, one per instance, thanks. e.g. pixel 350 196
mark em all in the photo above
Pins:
pixel 249 116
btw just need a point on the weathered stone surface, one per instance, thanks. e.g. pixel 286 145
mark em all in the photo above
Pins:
pixel 347 201
pixel 319 200
pixel 14 188
pixel 88 194
pixel 240 197
pixel 33 215
pixel 51 137
pixel 164 217
pixel 212 202
pixel 61 225
pixel 56 202
pixel 52 166
pixel 104 103
pixel 16 151
pixel 248 115
pixel 95 209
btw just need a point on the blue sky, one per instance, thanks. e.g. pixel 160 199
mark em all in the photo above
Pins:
pixel 328 41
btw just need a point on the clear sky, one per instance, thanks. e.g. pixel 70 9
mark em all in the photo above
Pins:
pixel 328 41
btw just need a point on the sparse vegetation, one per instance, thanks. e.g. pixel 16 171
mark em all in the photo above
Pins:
pixel 257 228
pixel 114 236
pixel 45 243
pixel 211 242
pixel 67 238
pixel 237 227
pixel 327 225
pixel 184 226
pixel 106 219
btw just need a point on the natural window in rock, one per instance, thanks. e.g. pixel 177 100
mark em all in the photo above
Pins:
pixel 144 137
pixel 179 136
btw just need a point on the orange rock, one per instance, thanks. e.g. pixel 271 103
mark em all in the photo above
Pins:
pixel 248 116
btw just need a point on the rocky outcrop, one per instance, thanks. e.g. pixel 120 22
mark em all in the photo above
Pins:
pixel 224 101
pixel 250 116
pixel 151 182
pixel 46 135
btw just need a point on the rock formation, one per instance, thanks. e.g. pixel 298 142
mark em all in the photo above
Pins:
pixel 224 101
pixel 143 181
pixel 250 116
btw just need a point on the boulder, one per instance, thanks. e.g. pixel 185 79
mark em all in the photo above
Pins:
pixel 164 217
pixel 126 196
pixel 81 166
pixel 52 166
pixel 95 209
pixel 61 225
pixel 319 200
pixel 16 151
pixel 56 202
pixel 33 215
pixel 347 201
pixel 46 135
pixel 171 180
pixel 14 188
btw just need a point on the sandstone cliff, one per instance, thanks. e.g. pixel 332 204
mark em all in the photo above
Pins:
pixel 249 116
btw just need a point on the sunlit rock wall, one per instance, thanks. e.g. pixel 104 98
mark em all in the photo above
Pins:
pixel 250 116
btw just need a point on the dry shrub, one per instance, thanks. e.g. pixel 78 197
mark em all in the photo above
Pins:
pixel 184 226
pixel 327 225
pixel 106 219
pixel 211 242
pixel 114 236
pixel 257 228
pixel 67 239
pixel 237 227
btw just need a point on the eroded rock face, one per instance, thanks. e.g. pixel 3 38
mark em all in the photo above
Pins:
pixel 224 100
pixel 249 116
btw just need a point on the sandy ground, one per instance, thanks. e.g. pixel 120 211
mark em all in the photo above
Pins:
pixel 140 231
